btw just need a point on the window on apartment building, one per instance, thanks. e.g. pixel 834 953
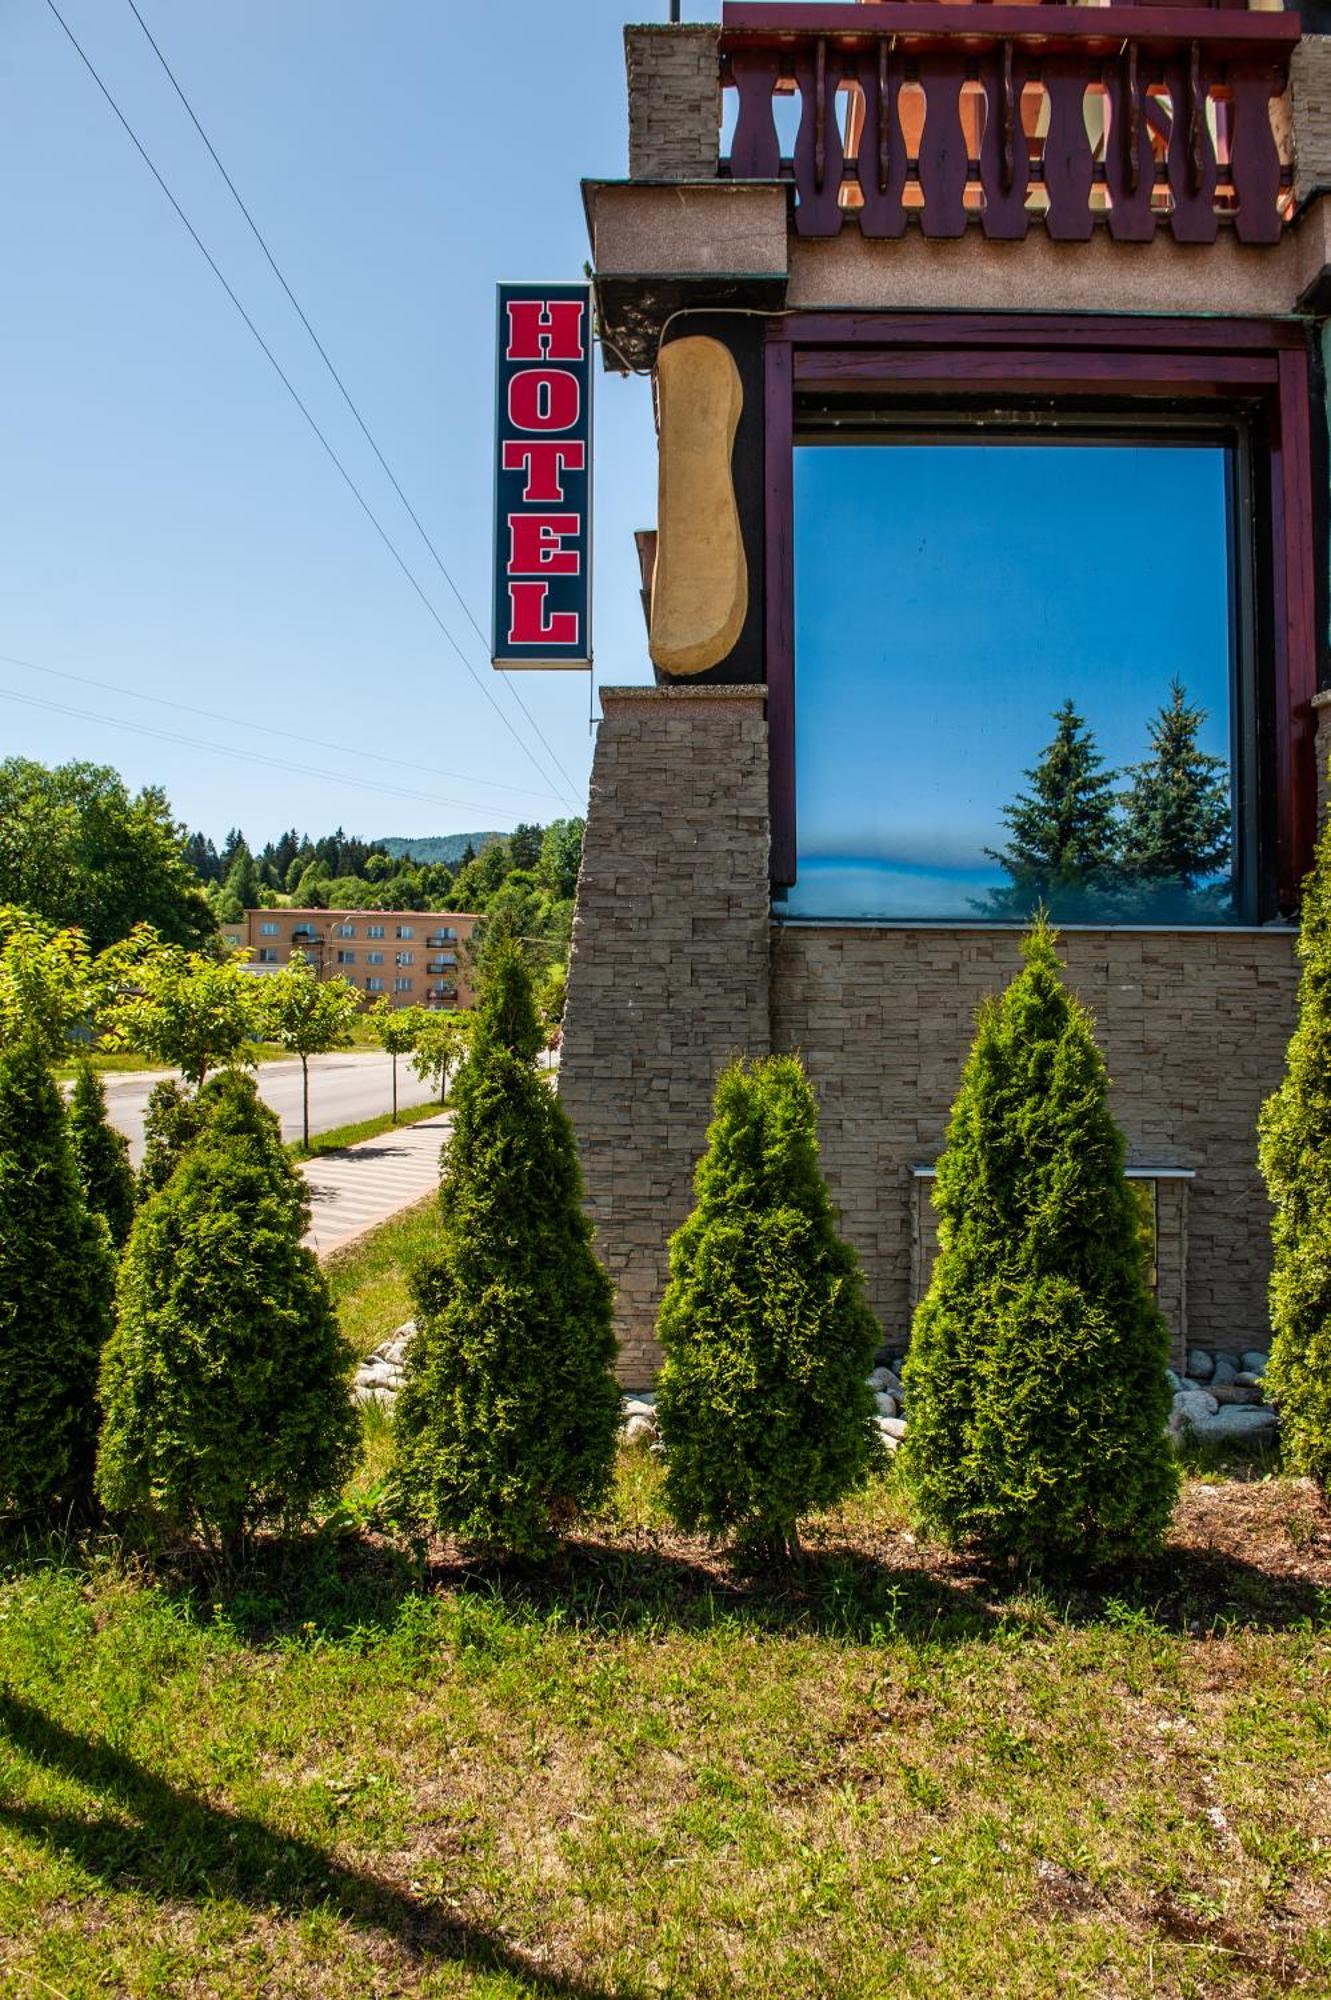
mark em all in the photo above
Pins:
pixel 374 986
pixel 404 958
pixel 406 930
pixel 449 934
pixel 267 930
pixel 374 958
pixel 1023 676
pixel 402 986
pixel 346 958
pixel 346 931
pixel 374 930
pixel 267 954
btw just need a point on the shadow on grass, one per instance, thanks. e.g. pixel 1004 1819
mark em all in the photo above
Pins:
pixel 165 1842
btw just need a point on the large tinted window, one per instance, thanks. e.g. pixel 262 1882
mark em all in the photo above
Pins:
pixel 1014 682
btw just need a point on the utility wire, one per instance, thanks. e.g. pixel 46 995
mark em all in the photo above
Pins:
pixel 346 395
pixel 225 750
pixel 287 383
pixel 291 735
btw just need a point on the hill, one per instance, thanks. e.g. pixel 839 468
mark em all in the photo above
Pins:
pixel 445 847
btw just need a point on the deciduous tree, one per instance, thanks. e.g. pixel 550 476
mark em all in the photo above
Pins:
pixel 309 1016
pixel 194 1010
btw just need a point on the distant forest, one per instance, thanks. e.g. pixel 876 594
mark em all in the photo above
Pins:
pixel 528 876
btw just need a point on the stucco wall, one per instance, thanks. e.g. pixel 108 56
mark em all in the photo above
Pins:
pixel 1193 1026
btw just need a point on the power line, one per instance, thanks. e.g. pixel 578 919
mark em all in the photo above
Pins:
pixel 291 735
pixel 345 393
pixel 225 750
pixel 289 386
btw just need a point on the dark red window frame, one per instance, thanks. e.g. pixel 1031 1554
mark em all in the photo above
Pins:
pixel 1227 365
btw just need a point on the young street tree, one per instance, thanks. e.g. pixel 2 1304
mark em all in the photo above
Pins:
pixel 307 1015
pixel 1176 813
pixel 186 1008
pixel 395 1030
pixel 1295 1156
pixel 1036 1376
pixel 440 1045
pixel 226 1383
pixel 101 1155
pixel 1062 833
pixel 764 1408
pixel 507 1421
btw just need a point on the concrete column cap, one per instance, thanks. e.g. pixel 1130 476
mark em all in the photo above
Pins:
pixel 745 691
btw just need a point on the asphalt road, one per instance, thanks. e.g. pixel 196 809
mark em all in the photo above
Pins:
pixel 344 1089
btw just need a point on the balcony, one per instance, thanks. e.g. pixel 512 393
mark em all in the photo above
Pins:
pixel 441 964
pixel 438 995
pixel 1135 117
pixel 439 938
pixel 910 119
pixel 304 934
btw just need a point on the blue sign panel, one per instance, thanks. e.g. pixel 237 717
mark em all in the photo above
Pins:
pixel 543 477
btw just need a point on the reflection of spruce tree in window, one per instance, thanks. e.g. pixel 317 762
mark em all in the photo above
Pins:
pixel 1063 839
pixel 1175 837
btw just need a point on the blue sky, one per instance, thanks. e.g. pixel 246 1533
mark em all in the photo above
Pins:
pixel 948 599
pixel 167 522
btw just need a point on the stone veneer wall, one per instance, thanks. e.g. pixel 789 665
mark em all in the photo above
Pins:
pixel 674 77
pixel 1193 1026
pixel 676 967
pixel 668 973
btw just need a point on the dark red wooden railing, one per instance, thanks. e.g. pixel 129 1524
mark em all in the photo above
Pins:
pixel 1126 117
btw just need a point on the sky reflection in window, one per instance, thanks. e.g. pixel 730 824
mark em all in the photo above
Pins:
pixel 1012 682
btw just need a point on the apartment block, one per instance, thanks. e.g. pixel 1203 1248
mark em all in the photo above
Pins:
pixel 412 958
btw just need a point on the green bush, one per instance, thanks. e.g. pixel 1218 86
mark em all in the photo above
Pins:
pixel 226 1382
pixel 101 1155
pixel 764 1410
pixel 57 1276
pixel 172 1120
pixel 1036 1381
pixel 508 1415
pixel 1296 1162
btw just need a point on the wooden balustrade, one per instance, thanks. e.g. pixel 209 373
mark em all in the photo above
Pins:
pixel 1001 116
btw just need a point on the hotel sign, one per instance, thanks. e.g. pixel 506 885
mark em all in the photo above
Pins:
pixel 543 477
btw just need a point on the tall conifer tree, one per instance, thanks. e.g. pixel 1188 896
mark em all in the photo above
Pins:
pixel 764 1408
pixel 226 1382
pixel 1296 1162
pixel 102 1156
pixel 508 1417
pixel 57 1276
pixel 1062 833
pixel 1036 1381
pixel 1176 812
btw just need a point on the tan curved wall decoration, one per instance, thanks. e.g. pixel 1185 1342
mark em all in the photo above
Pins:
pixel 700 589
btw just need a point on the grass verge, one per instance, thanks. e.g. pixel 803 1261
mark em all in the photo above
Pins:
pixel 368 1128
pixel 639 1772
pixel 368 1279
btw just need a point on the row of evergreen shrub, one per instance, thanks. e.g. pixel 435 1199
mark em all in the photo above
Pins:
pixel 1036 1378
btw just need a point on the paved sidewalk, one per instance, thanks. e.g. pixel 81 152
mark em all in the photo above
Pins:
pixel 361 1186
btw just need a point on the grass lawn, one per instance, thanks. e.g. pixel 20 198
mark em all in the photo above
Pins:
pixel 639 1772
pixel 368 1279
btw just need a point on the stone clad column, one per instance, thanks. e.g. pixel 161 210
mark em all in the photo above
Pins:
pixel 668 978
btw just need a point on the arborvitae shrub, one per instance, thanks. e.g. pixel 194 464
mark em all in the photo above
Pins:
pixel 172 1121
pixel 1296 1161
pixel 101 1155
pixel 763 1406
pixel 57 1277
pixel 508 1417
pixel 1036 1388
pixel 226 1382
